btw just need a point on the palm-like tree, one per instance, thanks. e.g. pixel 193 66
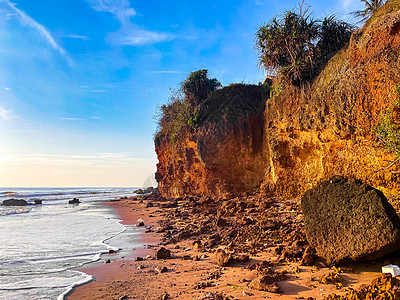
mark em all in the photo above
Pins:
pixel 371 6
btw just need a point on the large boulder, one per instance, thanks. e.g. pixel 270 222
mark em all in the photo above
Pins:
pixel 14 202
pixel 348 220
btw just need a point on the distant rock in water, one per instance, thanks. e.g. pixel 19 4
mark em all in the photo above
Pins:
pixel 38 202
pixel 74 201
pixel 14 202
pixel 348 220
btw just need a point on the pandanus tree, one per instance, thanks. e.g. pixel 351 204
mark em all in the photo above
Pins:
pixel 371 6
pixel 298 46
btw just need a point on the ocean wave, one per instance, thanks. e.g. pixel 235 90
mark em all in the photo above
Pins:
pixel 5 211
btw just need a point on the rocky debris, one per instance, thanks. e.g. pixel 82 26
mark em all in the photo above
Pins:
pixel 222 258
pixel 160 269
pixel 265 283
pixel 383 287
pixel 38 202
pixel 112 251
pixel 107 261
pixel 202 285
pixel 14 202
pixel 242 258
pixel 163 253
pixel 348 220
pixel 333 277
pixel 149 204
pixel 140 223
pixel 165 296
pixel 74 201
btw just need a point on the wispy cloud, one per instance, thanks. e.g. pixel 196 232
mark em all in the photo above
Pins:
pixel 98 91
pixel 72 160
pixel 119 8
pixel 6 114
pixel 71 119
pixel 28 21
pixel 138 37
pixel 77 36
pixel 129 34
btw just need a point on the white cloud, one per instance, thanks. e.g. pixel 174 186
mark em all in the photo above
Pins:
pixel 28 21
pixel 129 33
pixel 77 36
pixel 139 37
pixel 6 88
pixel 6 114
pixel 119 8
pixel 98 91
pixel 71 119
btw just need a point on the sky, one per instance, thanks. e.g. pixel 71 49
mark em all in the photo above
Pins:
pixel 81 80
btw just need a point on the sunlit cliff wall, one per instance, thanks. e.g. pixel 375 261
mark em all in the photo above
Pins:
pixel 300 136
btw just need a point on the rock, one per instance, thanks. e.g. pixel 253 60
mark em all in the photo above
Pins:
pixel 138 258
pixel 123 297
pixel 111 251
pixel 160 269
pixel 196 247
pixel 222 258
pixel 38 202
pixel 165 296
pixel 308 258
pixel 150 204
pixel 74 201
pixel 242 258
pixel 348 220
pixel 163 253
pixel 140 223
pixel 264 283
pixel 15 202
pixel 107 261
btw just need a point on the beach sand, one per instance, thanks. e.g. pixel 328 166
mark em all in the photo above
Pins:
pixel 192 274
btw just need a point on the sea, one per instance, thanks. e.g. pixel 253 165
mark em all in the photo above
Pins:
pixel 43 246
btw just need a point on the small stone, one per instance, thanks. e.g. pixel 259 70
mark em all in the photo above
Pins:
pixel 265 283
pixel 111 251
pixel 140 223
pixel 107 261
pixel 138 258
pixel 160 269
pixel 222 258
pixel 163 253
pixel 148 257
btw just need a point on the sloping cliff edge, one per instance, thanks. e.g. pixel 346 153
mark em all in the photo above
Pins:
pixel 286 144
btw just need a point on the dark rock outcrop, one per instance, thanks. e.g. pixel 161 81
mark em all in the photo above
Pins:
pixel 163 253
pixel 348 220
pixel 15 202
pixel 74 201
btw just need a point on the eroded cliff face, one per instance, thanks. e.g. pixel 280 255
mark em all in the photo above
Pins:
pixel 225 155
pixel 329 129
pixel 302 136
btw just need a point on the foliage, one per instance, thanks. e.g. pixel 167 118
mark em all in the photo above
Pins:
pixel 388 130
pixel 182 107
pixel 371 6
pixel 298 45
pixel 173 115
pixel 197 86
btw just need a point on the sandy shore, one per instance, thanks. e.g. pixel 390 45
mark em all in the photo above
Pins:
pixel 191 272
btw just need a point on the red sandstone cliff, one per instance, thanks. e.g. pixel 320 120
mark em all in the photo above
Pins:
pixel 303 135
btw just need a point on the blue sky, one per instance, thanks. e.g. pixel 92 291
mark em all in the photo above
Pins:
pixel 80 80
